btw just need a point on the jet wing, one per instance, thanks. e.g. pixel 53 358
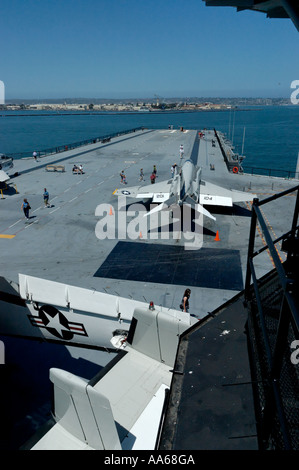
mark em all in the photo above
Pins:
pixel 3 176
pixel 158 192
pixel 212 194
pixel 198 207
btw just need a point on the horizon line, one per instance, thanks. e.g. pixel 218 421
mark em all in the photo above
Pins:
pixel 182 98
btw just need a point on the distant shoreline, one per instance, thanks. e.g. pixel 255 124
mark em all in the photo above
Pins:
pixel 32 113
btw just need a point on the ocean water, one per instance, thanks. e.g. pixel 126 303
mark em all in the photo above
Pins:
pixel 271 141
pixel 271 137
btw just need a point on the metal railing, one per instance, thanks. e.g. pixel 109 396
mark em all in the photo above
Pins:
pixel 287 174
pixel 230 165
pixel 274 172
pixel 73 145
pixel 273 322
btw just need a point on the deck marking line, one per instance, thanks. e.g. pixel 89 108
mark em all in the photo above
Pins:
pixel 55 210
pixel 15 223
pixel 2 235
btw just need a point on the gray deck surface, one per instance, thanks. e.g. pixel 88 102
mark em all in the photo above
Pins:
pixel 59 243
pixel 212 402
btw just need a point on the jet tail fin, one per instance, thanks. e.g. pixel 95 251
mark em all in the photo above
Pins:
pixel 3 176
pixel 198 207
pixel 165 205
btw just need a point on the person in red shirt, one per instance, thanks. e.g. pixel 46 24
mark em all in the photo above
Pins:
pixel 153 178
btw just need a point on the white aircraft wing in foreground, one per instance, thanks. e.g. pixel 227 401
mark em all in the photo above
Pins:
pixel 37 308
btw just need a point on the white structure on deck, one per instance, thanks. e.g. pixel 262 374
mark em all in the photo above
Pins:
pixel 121 408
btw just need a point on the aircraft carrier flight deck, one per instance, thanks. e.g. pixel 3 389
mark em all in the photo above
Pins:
pixel 61 242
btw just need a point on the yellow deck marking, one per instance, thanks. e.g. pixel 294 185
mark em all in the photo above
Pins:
pixel 2 235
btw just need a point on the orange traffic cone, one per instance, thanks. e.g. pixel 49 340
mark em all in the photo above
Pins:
pixel 110 213
pixel 217 239
pixel 140 235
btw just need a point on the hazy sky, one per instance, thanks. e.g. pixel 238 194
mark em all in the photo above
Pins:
pixel 143 48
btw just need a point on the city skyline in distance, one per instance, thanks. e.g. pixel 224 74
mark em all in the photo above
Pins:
pixel 149 99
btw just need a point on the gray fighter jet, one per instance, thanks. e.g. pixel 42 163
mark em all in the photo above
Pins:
pixel 188 188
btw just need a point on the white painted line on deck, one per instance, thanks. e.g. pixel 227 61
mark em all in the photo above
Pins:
pixel 76 197
pixel 55 210
pixel 15 223
pixel 26 226
pixel 66 190
pixel 87 190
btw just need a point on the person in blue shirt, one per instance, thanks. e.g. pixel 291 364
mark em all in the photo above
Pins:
pixel 26 207
pixel 46 198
